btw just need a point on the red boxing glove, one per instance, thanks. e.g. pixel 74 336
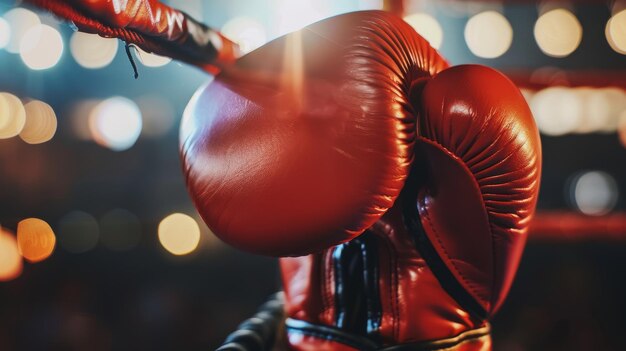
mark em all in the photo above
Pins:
pixel 307 141
pixel 435 268
pixel 151 25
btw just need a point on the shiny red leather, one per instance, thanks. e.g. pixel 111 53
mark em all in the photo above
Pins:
pixel 307 141
pixel 481 151
pixel 151 25
pixel 476 178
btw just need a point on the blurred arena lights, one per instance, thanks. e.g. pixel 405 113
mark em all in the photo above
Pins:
pixel 428 27
pixel 120 230
pixel 158 115
pixel 594 193
pixel 35 239
pixel 41 47
pixel 79 118
pixel 92 51
pixel 622 128
pixel 12 115
pixel 115 123
pixel 5 33
pixel 295 14
pixel 151 60
pixel 179 234
pixel 41 123
pixel 20 21
pixel 78 232
pixel 558 32
pixel 488 34
pixel 557 111
pixel 11 264
pixel 246 32
pixel 371 4
pixel 615 32
pixel 564 110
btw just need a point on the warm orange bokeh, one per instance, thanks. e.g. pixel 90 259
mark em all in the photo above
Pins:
pixel 10 260
pixel 35 239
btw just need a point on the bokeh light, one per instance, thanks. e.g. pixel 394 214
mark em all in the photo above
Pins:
pixel 295 14
pixel 158 115
pixel 615 32
pixel 557 111
pixel 594 193
pixel 150 59
pixel 41 47
pixel 93 51
pixel 488 34
pixel 120 230
pixel 621 128
pixel 246 32
pixel 79 115
pixel 179 234
pixel 78 232
pixel 115 123
pixel 5 33
pixel 20 21
pixel 595 110
pixel 558 32
pixel 428 27
pixel 12 115
pixel 371 4
pixel 11 264
pixel 35 239
pixel 41 123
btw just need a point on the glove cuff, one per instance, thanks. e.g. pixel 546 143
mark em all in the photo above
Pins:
pixel 324 337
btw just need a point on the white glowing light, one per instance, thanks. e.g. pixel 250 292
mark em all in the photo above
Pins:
pixel 595 193
pixel 615 32
pixel 179 234
pixel 116 123
pixel 12 116
pixel 246 32
pixel 93 51
pixel 426 26
pixel 20 21
pixel 5 33
pixel 557 111
pixel 41 123
pixel 152 60
pixel 11 264
pixel 488 34
pixel 295 14
pixel 371 4
pixel 558 33
pixel 41 47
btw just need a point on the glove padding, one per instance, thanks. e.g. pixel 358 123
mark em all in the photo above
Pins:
pixel 477 173
pixel 308 140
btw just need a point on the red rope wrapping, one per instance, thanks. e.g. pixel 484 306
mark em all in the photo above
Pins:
pixel 66 11
pixel 576 227
pixel 156 45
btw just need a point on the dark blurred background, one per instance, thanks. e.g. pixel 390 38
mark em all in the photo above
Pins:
pixel 123 260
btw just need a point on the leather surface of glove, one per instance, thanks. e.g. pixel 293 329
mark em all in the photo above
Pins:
pixel 308 140
pixel 440 262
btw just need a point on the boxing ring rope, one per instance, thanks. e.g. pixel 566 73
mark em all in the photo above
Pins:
pixel 565 226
